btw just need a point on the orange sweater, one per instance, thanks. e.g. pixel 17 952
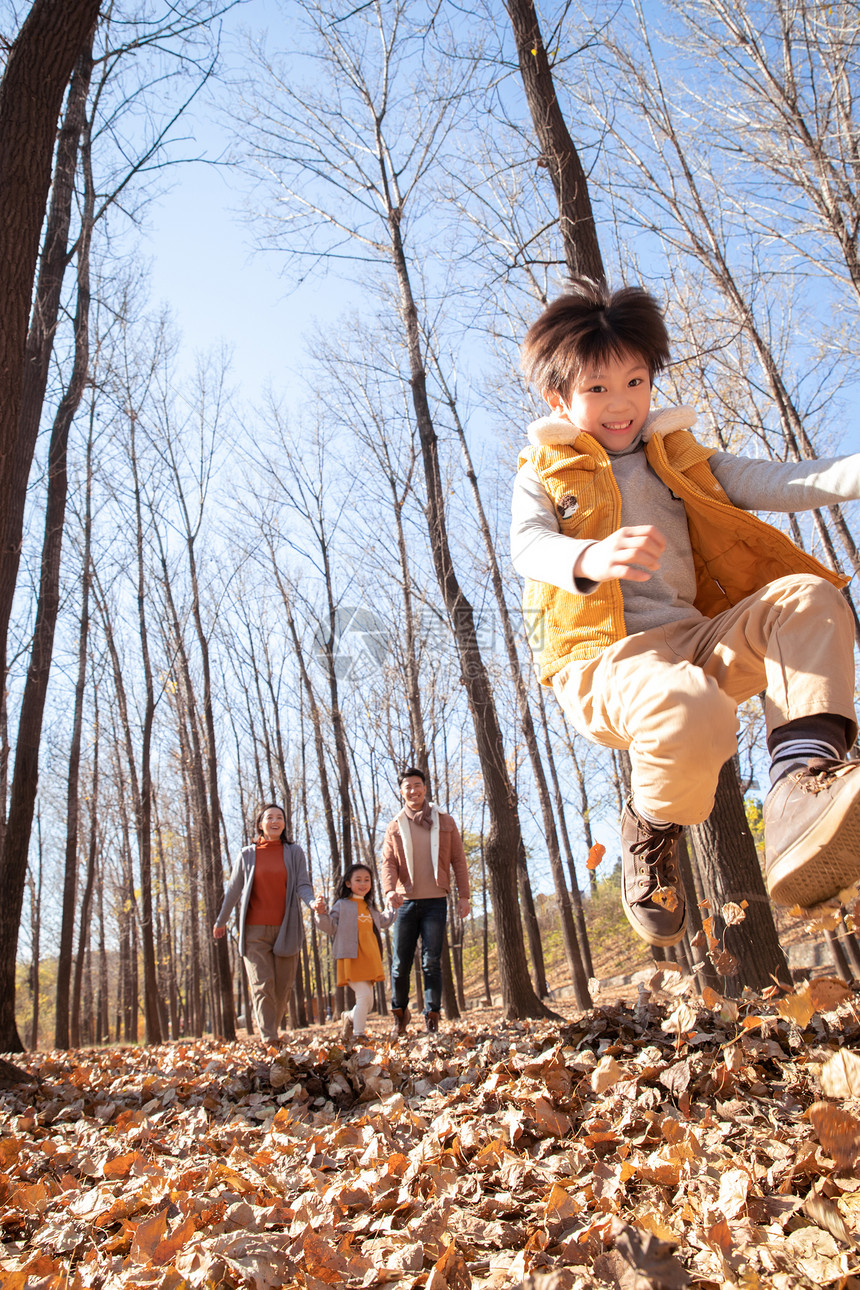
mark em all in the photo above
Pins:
pixel 269 893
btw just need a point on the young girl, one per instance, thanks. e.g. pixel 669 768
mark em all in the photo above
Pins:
pixel 353 922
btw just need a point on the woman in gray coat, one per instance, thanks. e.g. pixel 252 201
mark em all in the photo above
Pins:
pixel 268 879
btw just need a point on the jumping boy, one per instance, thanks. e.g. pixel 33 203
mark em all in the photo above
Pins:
pixel 656 604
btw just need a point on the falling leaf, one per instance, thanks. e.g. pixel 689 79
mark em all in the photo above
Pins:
pixel 827 1216
pixel 840 1075
pixel 797 1008
pixel 838 1132
pixel 681 1020
pixel 733 913
pixel 725 964
pixel 827 992
pixel 710 998
pixel 666 897
pixel 595 855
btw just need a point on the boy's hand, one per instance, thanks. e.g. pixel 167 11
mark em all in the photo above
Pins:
pixel 633 552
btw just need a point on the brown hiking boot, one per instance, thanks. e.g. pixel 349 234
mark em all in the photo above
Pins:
pixel 812 832
pixel 431 1023
pixel 399 1023
pixel 346 1028
pixel 651 890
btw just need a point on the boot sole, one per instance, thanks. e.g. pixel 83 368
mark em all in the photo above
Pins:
pixel 824 861
pixel 650 937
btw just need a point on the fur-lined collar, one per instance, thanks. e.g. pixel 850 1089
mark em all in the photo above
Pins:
pixel 555 430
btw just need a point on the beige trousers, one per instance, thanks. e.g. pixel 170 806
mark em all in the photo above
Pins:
pixel 270 979
pixel 670 694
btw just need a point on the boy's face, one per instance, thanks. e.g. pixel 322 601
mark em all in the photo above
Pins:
pixel 610 402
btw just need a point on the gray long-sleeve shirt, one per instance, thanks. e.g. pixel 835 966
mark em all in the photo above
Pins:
pixel 542 553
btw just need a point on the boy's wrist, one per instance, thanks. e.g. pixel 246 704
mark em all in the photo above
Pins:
pixel 584 582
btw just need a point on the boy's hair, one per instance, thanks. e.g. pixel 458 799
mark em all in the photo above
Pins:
pixel 588 325
pixel 409 772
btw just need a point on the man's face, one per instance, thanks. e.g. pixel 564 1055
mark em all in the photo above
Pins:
pixel 413 791
pixel 610 402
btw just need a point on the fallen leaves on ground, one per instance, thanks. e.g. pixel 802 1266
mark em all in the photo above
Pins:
pixel 675 1143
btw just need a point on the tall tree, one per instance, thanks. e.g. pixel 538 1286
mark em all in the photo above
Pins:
pixel 37 72
pixel 725 833
pixel 25 776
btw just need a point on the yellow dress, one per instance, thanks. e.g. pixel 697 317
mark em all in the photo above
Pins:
pixel 368 965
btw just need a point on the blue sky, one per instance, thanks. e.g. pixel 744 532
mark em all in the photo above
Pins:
pixel 200 247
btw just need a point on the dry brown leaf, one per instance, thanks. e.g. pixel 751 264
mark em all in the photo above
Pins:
pixel 724 963
pixel 606 1073
pixel 826 1215
pixel 734 1189
pixel 322 1260
pixel 733 913
pixel 681 1020
pixel 148 1235
pixel 649 1256
pixel 840 1076
pixel 797 1008
pixel 719 1236
pixel 595 855
pixel 827 992
pixel 838 1132
pixel 710 998
pixel 453 1269
pixel 733 1056
pixel 550 1121
pixel 666 897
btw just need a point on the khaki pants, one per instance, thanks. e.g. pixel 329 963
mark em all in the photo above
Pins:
pixel 270 979
pixel 670 694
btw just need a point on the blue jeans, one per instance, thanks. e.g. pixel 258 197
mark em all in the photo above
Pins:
pixel 424 918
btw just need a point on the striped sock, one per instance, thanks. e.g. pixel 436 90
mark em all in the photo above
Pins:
pixel 795 754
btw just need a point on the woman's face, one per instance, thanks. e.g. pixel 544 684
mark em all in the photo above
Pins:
pixel 360 883
pixel 272 824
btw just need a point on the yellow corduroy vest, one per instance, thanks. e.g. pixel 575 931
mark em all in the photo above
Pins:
pixel 734 553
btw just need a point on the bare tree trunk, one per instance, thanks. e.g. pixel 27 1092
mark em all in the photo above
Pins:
pixel 89 882
pixel 64 958
pixel 37 72
pixel 504 838
pixel 733 874
pixel 585 816
pixel 527 905
pixel 35 928
pixel 573 951
pixel 143 814
pixel 316 723
pixel 103 1020
pixel 25 777
pixel 485 939
pixel 558 151
pixel 449 991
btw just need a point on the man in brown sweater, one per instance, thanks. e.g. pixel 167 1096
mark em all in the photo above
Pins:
pixel 421 846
